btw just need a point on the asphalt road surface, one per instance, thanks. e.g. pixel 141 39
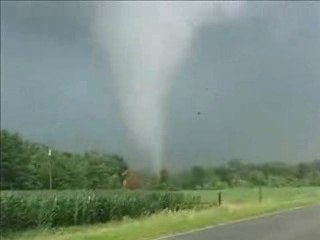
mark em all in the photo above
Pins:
pixel 300 224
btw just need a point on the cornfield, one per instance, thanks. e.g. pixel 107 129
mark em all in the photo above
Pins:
pixel 31 209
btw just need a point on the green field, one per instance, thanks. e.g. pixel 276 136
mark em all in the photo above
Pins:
pixel 239 195
pixel 237 204
pixel 25 210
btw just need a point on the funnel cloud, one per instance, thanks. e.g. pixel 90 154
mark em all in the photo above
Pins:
pixel 145 43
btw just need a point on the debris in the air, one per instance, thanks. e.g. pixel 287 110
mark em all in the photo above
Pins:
pixel 198 113
pixel 207 89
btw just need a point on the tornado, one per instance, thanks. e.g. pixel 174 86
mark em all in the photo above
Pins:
pixel 144 44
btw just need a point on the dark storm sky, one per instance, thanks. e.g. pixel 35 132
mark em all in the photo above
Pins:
pixel 262 71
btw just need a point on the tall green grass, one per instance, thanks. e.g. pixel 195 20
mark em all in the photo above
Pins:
pixel 22 210
pixel 238 203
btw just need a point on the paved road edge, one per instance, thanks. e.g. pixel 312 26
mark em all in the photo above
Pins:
pixel 235 221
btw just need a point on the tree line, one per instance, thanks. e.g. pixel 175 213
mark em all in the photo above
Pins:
pixel 26 165
pixel 239 174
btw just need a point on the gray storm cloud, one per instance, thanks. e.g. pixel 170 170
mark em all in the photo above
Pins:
pixel 144 43
pixel 260 62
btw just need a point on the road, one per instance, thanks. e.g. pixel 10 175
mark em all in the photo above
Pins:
pixel 301 224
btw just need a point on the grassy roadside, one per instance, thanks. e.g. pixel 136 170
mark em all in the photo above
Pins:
pixel 239 203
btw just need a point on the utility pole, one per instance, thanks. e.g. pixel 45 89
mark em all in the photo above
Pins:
pixel 50 169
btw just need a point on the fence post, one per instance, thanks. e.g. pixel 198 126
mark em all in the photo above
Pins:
pixel 219 198
pixel 260 194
